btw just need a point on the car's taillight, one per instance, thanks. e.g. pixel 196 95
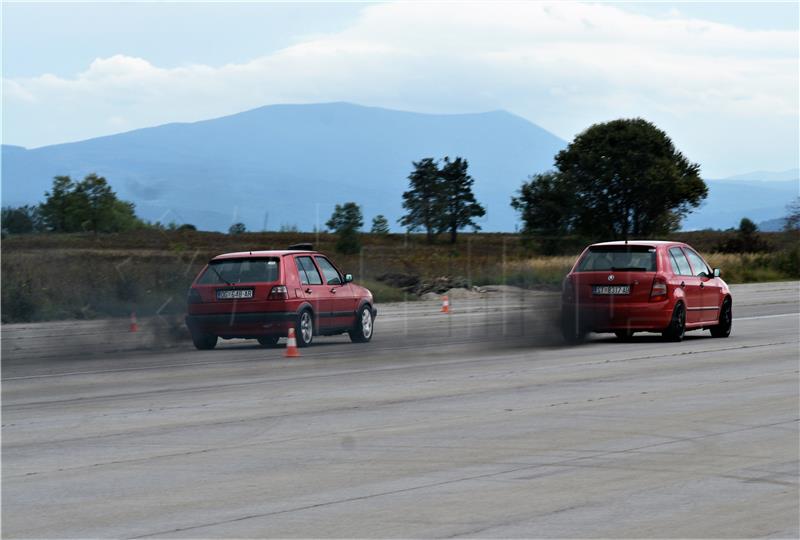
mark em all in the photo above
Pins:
pixel 659 290
pixel 194 297
pixel 568 290
pixel 279 292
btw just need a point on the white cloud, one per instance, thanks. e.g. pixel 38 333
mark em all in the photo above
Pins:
pixel 563 65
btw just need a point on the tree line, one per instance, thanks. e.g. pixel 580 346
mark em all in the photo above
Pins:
pixel 88 205
pixel 616 180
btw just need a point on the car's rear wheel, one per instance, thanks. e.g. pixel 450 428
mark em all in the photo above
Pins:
pixel 204 342
pixel 572 331
pixel 723 329
pixel 362 331
pixel 268 341
pixel 624 335
pixel 677 326
pixel 304 328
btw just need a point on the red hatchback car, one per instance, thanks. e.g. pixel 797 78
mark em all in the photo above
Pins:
pixel 262 294
pixel 644 286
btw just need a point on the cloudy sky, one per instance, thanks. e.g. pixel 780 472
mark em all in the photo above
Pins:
pixel 720 78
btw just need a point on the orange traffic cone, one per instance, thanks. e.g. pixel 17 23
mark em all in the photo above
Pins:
pixel 445 304
pixel 291 345
pixel 134 322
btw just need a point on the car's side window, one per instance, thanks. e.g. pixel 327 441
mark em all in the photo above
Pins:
pixel 680 265
pixel 700 267
pixel 307 271
pixel 330 273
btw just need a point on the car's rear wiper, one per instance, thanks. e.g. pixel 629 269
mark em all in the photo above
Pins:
pixel 220 276
pixel 631 268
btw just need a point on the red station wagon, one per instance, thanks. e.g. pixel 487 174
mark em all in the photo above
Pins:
pixel 644 286
pixel 262 294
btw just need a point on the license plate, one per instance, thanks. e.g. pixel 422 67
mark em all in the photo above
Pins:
pixel 234 294
pixel 611 289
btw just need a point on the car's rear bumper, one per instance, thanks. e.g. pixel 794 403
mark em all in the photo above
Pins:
pixel 643 316
pixel 256 324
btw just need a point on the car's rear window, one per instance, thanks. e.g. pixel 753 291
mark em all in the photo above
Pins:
pixel 618 258
pixel 232 271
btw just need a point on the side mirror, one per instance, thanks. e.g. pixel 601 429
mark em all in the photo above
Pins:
pixel 717 272
pixel 348 278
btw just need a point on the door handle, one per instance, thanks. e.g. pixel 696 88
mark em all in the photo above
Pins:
pixel 701 285
pixel 308 291
pixel 683 284
pixel 333 290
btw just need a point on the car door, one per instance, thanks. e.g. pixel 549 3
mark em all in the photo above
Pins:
pixel 342 300
pixel 708 284
pixel 686 280
pixel 315 291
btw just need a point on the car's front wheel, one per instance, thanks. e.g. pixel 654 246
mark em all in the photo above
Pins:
pixel 677 326
pixel 204 342
pixel 362 331
pixel 304 328
pixel 723 328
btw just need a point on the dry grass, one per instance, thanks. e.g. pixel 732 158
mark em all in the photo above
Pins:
pixel 47 277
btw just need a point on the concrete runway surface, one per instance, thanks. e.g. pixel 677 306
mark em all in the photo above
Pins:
pixel 472 424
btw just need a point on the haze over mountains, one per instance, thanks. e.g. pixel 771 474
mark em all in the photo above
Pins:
pixel 290 164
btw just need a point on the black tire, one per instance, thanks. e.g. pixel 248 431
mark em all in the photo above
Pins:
pixel 677 325
pixel 571 331
pixel 723 329
pixel 624 335
pixel 362 331
pixel 268 341
pixel 204 342
pixel 304 328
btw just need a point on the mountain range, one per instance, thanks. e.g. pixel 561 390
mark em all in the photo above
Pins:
pixel 288 165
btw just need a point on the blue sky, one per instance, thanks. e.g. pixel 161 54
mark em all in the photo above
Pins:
pixel 720 78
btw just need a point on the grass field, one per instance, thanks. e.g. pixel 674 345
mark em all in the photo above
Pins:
pixel 51 277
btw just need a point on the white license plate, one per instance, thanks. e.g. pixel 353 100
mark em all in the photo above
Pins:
pixel 234 294
pixel 611 289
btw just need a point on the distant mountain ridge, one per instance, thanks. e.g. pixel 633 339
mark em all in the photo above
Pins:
pixel 290 164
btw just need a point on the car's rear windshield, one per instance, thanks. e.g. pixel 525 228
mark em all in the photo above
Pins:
pixel 618 258
pixel 233 271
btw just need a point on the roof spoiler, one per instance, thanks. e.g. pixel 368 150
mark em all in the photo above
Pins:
pixel 301 247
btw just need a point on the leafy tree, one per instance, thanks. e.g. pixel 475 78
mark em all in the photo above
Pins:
pixel 793 218
pixel 56 208
pixel 747 239
pixel 423 200
pixel 457 200
pixel 237 228
pixel 626 179
pixel 346 221
pixel 546 207
pixel 21 220
pixel 88 205
pixel 380 225
pixel 187 227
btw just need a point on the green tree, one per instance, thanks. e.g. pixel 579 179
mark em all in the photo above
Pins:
pixel 545 205
pixel 626 179
pixel 380 225
pixel 237 228
pixel 21 220
pixel 459 207
pixel 346 221
pixel 55 210
pixel 88 205
pixel 423 200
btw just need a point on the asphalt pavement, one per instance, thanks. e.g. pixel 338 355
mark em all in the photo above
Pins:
pixel 477 424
